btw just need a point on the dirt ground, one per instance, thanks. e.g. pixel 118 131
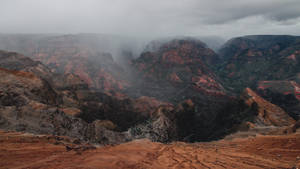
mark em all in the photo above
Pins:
pixel 20 150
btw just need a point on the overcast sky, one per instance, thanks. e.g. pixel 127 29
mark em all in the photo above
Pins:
pixel 152 18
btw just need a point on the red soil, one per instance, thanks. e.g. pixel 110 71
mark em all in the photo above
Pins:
pixel 19 150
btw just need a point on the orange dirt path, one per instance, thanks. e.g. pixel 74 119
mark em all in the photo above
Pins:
pixel 19 150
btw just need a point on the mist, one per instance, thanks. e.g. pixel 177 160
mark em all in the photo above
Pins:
pixel 147 19
pixel 118 26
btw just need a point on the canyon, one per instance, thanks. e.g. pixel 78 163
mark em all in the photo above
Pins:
pixel 95 102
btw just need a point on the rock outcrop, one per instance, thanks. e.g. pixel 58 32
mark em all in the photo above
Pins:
pixel 29 104
pixel 268 114
pixel 15 61
pixel 283 93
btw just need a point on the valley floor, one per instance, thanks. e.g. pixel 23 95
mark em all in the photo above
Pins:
pixel 21 150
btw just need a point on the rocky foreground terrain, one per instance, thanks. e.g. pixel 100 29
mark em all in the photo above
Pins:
pixel 70 104
pixel 20 150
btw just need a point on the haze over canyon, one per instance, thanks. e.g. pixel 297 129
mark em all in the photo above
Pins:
pixel 149 84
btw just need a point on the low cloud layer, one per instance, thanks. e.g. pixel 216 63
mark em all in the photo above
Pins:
pixel 151 18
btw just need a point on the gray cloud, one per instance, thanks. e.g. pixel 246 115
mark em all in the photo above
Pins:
pixel 231 10
pixel 151 18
